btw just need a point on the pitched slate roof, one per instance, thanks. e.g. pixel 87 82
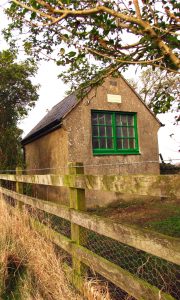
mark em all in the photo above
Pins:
pixel 52 119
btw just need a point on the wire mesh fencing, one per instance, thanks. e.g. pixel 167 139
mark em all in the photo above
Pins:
pixel 152 270
pixel 156 271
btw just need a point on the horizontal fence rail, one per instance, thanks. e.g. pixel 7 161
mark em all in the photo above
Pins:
pixel 133 285
pixel 147 185
pixel 150 242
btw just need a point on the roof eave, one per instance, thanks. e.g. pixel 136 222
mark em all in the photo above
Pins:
pixel 43 131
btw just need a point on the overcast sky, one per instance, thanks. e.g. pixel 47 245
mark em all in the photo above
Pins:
pixel 52 90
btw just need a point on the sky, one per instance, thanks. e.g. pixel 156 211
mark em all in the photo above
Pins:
pixel 53 90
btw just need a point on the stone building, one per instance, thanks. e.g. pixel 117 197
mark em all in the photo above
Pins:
pixel 110 130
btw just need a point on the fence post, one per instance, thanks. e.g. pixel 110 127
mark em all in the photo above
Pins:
pixel 77 201
pixel 19 186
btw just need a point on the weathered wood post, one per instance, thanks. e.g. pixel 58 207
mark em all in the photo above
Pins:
pixel 19 186
pixel 77 201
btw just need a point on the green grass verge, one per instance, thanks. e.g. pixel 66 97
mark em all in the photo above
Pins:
pixel 169 226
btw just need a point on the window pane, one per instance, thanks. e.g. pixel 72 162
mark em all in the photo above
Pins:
pixel 94 118
pixel 118 131
pixel 95 130
pixel 108 119
pixel 125 131
pixel 95 143
pixel 130 120
pixel 103 143
pixel 131 131
pixel 101 119
pixel 120 143
pixel 109 131
pixel 125 144
pixel 102 130
pixel 124 120
pixel 118 120
pixel 131 143
pixel 109 143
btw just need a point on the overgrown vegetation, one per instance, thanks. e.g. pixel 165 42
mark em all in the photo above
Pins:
pixel 29 267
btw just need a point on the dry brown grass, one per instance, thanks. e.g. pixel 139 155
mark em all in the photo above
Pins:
pixel 96 290
pixel 43 277
pixel 44 274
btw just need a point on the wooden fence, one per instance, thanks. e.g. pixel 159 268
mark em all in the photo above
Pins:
pixel 164 247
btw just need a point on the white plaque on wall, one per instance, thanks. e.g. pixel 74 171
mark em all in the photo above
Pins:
pixel 113 98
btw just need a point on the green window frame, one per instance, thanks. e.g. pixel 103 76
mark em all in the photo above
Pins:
pixel 114 132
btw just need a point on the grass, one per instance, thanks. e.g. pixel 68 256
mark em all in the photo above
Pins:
pixel 169 226
pixel 161 215
pixel 31 268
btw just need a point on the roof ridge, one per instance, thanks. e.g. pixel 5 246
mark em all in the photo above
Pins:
pixel 62 108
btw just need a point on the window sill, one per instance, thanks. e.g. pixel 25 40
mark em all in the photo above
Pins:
pixel 115 153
